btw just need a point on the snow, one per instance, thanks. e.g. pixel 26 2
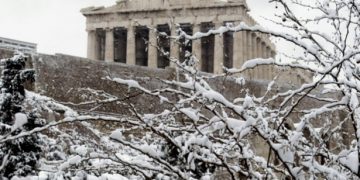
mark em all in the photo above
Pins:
pixel 20 120
pixel 44 176
pixel 206 177
pixel 256 62
pixel 248 102
pixel 73 160
pixel 117 134
pixel 197 140
pixel 228 125
pixel 130 83
pixel 349 159
pixel 81 150
pixel 191 113
pixel 235 124
pixel 112 177
pixel 354 101
pixel 285 152
pixel 43 102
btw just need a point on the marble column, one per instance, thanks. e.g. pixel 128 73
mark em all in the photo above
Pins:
pixel 196 46
pixel 266 68
pixel 247 49
pixel 109 45
pixel 152 49
pixel 273 68
pixel 91 44
pixel 239 49
pixel 253 54
pixel 218 51
pixel 174 47
pixel 130 46
pixel 261 69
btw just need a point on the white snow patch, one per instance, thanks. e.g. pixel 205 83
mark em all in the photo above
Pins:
pixel 73 160
pixel 117 134
pixel 191 113
pixel 81 150
pixel 350 160
pixel 20 120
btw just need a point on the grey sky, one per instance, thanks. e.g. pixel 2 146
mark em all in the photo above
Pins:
pixel 57 26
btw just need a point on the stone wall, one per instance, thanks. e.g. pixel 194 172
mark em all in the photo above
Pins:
pixel 5 53
pixel 61 76
pixel 70 80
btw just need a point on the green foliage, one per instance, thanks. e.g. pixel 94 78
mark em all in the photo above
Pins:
pixel 19 157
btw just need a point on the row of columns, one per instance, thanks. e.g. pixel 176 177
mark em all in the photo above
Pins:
pixel 247 45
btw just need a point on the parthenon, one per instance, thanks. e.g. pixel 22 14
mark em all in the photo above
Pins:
pixel 125 33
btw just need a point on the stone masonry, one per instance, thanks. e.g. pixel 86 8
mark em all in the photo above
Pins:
pixel 126 33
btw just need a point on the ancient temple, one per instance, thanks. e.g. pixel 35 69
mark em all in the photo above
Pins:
pixel 132 32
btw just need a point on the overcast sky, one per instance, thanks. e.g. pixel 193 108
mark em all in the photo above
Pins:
pixel 57 26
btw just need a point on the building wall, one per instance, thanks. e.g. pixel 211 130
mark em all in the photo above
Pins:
pixel 16 45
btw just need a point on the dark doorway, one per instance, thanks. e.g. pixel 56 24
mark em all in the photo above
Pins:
pixel 164 46
pixel 207 48
pixel 229 47
pixel 120 43
pixel 185 45
pixel 141 45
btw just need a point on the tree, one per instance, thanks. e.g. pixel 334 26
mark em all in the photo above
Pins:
pixel 303 132
pixel 302 127
pixel 20 156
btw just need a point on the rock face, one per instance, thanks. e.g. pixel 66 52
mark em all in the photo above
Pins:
pixel 72 80
pixel 83 74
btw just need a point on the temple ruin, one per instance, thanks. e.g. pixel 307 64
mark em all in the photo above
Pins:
pixel 126 33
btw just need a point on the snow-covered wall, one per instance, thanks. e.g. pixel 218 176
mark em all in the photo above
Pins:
pixel 72 80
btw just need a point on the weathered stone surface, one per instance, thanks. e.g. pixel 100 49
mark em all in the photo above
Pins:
pixel 129 14
pixel 68 79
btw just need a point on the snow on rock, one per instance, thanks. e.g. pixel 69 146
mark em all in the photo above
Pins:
pixel 48 104
pixel 191 113
pixel 198 140
pixel 354 101
pixel 44 176
pixel 117 134
pixel 27 178
pixel 206 177
pixel 112 177
pixel 81 150
pixel 349 159
pixel 20 120
pixel 285 153
pixel 73 160
pixel 151 150
pixel 235 124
